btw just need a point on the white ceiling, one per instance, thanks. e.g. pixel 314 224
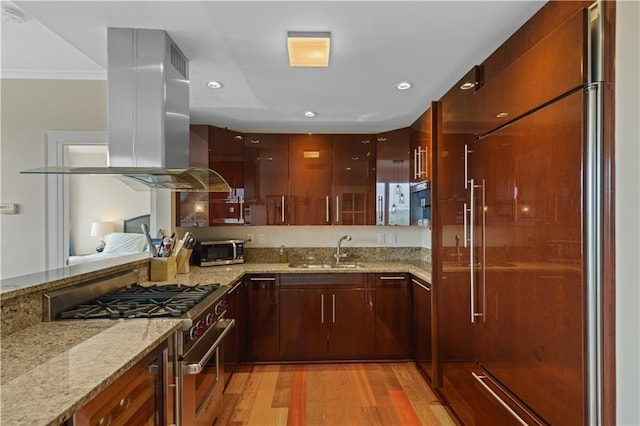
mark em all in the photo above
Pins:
pixel 375 44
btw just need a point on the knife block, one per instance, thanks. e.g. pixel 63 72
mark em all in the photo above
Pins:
pixel 183 260
pixel 162 268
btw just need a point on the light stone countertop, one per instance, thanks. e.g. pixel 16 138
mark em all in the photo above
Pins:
pixel 52 369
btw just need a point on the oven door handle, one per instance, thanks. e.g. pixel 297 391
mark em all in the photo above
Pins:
pixel 197 367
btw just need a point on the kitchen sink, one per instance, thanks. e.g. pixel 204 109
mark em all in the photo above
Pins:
pixel 345 265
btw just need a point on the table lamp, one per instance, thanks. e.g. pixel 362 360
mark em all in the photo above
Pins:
pixel 101 230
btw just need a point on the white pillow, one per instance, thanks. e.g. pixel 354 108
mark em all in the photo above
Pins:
pixel 120 242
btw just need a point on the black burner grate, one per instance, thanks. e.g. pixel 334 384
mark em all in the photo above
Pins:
pixel 171 300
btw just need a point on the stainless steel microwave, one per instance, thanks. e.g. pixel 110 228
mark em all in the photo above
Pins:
pixel 224 252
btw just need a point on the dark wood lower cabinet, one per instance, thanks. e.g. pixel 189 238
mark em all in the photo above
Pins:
pixel 262 304
pixel 138 397
pixel 422 324
pixel 326 316
pixel 393 310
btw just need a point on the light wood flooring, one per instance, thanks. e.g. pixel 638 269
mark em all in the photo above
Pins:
pixel 355 394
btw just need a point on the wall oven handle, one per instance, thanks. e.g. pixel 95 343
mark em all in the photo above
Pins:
pixel 197 367
pixel 480 380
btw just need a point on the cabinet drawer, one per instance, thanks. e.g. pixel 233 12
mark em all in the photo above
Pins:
pixel 341 280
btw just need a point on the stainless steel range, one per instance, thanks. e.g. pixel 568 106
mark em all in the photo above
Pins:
pixel 196 380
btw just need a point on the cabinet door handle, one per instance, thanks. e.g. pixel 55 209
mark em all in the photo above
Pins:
pixel 465 240
pixel 391 278
pixel 241 215
pixel 327 209
pixel 282 214
pixel 418 283
pixel 337 209
pixel 480 380
pixel 235 286
pixel 322 309
pixel 262 279
pixel 333 314
pixel 416 163
pixel 380 210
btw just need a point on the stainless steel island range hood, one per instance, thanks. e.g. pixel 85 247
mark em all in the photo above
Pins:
pixel 148 107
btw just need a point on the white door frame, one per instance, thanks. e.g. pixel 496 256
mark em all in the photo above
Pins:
pixel 57 192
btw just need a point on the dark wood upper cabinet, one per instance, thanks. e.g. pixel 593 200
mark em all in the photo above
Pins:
pixel 221 150
pixel 392 177
pixel 422 133
pixel 354 177
pixel 266 179
pixel 310 173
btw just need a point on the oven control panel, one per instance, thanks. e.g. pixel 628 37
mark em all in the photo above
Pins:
pixel 205 321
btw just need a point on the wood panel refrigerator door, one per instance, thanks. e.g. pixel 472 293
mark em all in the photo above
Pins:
pixel 530 293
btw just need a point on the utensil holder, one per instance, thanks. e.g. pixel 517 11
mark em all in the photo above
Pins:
pixel 183 260
pixel 162 268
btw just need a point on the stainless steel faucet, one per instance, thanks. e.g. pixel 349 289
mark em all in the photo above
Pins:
pixel 339 255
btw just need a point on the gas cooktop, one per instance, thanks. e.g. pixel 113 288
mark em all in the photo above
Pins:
pixel 170 300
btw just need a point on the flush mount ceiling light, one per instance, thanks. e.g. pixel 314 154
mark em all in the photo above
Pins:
pixel 403 85
pixel 214 84
pixel 308 49
pixel 310 114
pixel 502 114
pixel 468 85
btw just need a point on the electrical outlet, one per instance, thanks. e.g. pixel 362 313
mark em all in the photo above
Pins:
pixel 249 238
pixel 380 238
pixel 262 238
pixel 393 238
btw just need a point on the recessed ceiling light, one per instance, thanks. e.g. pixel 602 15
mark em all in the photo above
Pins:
pixel 366 141
pixel 382 139
pixel 502 114
pixel 468 85
pixel 309 114
pixel 308 49
pixel 214 84
pixel 403 85
pixel 12 15
pixel 239 137
pixel 254 141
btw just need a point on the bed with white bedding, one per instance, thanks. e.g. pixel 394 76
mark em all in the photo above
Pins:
pixel 118 244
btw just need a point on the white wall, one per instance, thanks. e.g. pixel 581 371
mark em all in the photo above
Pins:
pixel 628 212
pixel 28 109
pixel 99 199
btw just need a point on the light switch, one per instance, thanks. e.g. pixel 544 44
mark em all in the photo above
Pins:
pixel 262 238
pixel 380 238
pixel 393 238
